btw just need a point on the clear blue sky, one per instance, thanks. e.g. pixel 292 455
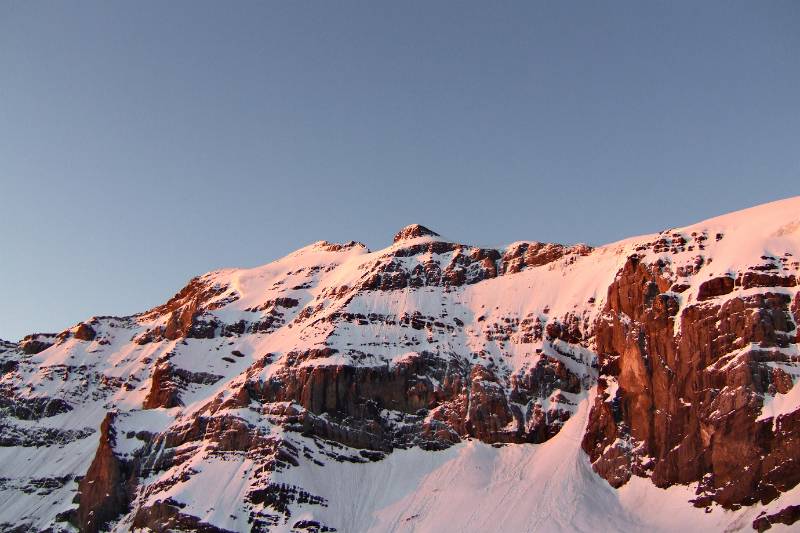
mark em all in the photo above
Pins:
pixel 142 143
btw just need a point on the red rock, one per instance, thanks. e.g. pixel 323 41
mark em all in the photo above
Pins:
pixel 715 287
pixel 104 492
pixel 412 232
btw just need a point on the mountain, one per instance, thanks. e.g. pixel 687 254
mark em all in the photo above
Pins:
pixel 645 385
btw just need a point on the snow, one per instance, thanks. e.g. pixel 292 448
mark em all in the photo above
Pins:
pixel 477 487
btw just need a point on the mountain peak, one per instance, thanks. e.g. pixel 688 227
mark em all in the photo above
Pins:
pixel 413 231
pixel 333 366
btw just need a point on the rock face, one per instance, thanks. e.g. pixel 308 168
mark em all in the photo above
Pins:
pixel 412 232
pixel 686 400
pixel 103 492
pixel 259 399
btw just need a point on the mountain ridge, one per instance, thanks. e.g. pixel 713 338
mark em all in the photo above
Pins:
pixel 665 362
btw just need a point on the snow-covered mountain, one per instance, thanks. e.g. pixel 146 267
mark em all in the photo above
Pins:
pixel 645 385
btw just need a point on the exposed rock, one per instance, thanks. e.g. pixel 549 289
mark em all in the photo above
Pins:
pixel 184 312
pixel 750 280
pixel 685 405
pixel 36 343
pixel 465 400
pixel 32 408
pixel 105 490
pixel 164 389
pixel 166 516
pixel 412 232
pixel 715 287
pixel 84 332
pixel 168 381
pixel 533 254
pixel 788 516
pixel 13 435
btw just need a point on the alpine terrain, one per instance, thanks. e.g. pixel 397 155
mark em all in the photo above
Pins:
pixel 645 385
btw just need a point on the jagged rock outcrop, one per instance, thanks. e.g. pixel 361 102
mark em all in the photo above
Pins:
pixel 788 516
pixel 104 492
pixel 440 401
pixel 681 390
pixel 412 232
pixel 36 342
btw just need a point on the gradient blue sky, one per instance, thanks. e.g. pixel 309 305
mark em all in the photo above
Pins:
pixel 142 143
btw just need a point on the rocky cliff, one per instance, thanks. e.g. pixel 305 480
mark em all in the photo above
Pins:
pixel 643 385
